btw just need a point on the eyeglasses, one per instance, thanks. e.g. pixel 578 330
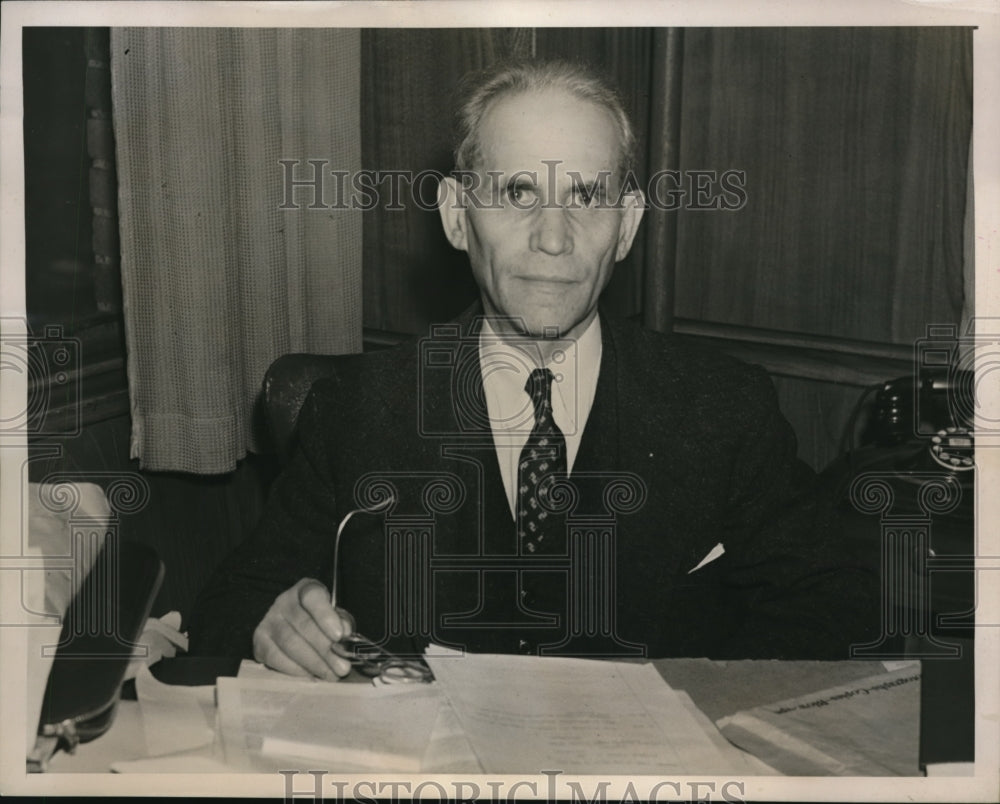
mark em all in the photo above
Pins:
pixel 365 656
pixel 375 662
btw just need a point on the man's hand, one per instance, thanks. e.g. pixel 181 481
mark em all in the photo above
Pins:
pixel 296 633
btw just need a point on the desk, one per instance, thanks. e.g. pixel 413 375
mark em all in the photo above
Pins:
pixel 718 688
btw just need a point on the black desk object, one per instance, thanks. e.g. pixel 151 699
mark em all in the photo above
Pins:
pixel 99 632
pixel 947 707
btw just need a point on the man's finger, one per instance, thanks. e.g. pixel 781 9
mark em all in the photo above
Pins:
pixel 300 650
pixel 267 653
pixel 315 600
pixel 310 631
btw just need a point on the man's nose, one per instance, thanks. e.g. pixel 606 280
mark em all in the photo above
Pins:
pixel 551 233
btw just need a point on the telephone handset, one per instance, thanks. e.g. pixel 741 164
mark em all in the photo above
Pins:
pixel 933 408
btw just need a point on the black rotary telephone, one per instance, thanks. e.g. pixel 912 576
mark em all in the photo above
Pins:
pixel 934 408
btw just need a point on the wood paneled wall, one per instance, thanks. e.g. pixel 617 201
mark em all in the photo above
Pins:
pixel 855 146
pixel 412 275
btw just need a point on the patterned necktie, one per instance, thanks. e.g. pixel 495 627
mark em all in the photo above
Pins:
pixel 543 456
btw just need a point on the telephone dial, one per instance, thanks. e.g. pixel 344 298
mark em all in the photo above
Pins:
pixel 914 426
pixel 930 409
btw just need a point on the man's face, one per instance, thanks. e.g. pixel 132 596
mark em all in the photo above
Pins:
pixel 542 229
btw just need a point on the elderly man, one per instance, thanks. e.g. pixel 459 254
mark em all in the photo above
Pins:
pixel 552 481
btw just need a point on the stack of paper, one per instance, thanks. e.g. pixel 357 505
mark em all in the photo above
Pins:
pixel 525 714
pixel 484 713
pixel 266 717
pixel 385 728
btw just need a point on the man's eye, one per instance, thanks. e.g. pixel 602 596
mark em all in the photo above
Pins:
pixel 588 196
pixel 522 195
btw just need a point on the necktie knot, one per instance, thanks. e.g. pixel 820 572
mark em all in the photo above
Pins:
pixel 539 388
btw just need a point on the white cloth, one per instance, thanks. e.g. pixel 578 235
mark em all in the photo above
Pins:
pixel 506 368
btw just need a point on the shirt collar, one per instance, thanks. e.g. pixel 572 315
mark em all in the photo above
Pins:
pixel 506 369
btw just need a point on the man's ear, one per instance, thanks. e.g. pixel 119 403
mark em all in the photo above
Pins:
pixel 634 204
pixel 451 207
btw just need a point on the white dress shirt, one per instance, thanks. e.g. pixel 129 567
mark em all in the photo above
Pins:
pixel 506 368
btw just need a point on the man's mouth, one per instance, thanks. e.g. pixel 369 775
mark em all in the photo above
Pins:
pixel 548 280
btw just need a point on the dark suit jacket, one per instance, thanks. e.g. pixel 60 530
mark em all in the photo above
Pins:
pixel 696 438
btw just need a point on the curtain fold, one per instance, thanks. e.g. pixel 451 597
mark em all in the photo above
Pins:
pixel 218 278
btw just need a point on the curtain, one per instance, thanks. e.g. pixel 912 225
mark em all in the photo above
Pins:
pixel 218 278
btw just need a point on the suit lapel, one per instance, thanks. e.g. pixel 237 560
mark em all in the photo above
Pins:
pixel 461 439
pixel 650 442
pixel 600 444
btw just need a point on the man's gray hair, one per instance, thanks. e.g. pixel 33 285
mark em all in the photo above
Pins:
pixel 481 90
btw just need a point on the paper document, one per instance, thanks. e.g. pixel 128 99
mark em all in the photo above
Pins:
pixel 249 669
pixel 246 710
pixel 742 763
pixel 252 707
pixel 174 717
pixel 449 750
pixel 525 714
pixel 364 728
pixel 869 727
